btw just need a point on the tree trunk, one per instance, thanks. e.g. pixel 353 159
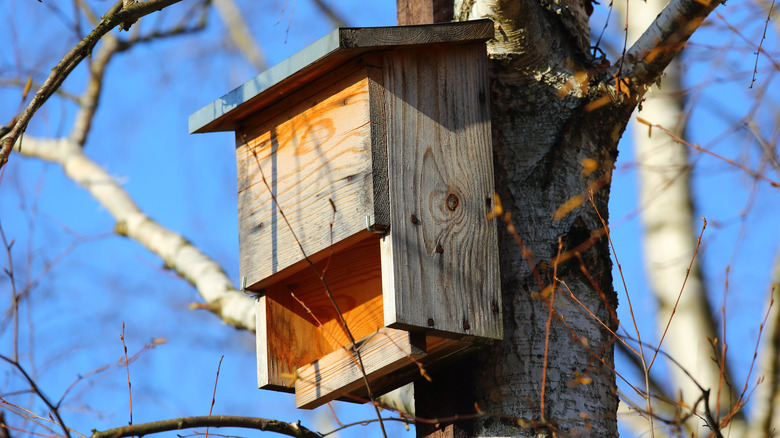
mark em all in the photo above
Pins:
pixel 557 115
pixel 553 371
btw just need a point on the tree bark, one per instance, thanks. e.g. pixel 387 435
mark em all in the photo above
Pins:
pixel 553 371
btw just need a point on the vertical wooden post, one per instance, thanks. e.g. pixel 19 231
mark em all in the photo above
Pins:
pixel 450 392
pixel 448 395
pixel 424 11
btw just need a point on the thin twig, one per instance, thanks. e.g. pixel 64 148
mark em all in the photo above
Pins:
pixel 551 306
pixel 645 368
pixel 119 362
pixel 366 423
pixel 127 368
pixel 34 387
pixel 214 394
pixel 14 295
pixel 763 37
pixel 677 139
pixel 679 296
pixel 80 51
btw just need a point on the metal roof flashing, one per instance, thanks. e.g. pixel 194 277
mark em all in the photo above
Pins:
pixel 222 114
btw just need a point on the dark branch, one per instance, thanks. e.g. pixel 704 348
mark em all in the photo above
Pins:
pixel 66 65
pixel 34 387
pixel 289 429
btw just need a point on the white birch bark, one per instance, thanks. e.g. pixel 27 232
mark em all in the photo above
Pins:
pixel 213 285
pixel 668 237
pixel 240 34
pixel 765 410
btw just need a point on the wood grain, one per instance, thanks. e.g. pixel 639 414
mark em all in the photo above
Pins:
pixel 337 374
pixel 445 267
pixel 423 11
pixel 391 358
pixel 316 160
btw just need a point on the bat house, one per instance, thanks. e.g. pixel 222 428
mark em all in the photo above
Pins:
pixel 365 181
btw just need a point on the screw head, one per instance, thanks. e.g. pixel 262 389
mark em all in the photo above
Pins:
pixel 415 220
pixel 466 325
pixel 430 322
pixel 439 249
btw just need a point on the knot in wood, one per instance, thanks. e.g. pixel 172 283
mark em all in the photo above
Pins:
pixel 452 201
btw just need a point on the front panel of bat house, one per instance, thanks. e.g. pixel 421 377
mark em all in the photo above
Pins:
pixel 365 181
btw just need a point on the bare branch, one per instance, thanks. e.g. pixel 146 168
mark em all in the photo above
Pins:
pixel 289 429
pixel 332 14
pixel 89 100
pixel 35 389
pixel 663 40
pixel 189 262
pixel 69 62
pixel 239 33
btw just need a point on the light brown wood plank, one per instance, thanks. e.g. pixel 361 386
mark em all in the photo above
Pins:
pixel 337 374
pixel 316 159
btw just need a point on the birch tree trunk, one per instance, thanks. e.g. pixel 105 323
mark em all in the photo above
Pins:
pixel 669 240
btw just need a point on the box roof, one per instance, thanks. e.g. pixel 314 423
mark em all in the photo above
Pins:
pixel 330 51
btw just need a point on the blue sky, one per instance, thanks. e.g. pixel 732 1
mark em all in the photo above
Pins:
pixel 187 183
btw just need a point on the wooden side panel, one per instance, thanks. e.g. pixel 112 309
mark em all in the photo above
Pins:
pixel 279 350
pixel 315 159
pixel 444 262
pixel 338 374
pixel 297 323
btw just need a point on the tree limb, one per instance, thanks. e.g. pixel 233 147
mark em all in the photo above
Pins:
pixel 69 62
pixel 233 307
pixel 239 33
pixel 289 429
pixel 332 14
pixel 644 62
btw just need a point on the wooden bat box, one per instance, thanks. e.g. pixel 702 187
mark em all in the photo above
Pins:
pixel 365 180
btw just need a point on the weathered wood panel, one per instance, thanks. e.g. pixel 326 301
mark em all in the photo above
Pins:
pixel 316 161
pixel 443 255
